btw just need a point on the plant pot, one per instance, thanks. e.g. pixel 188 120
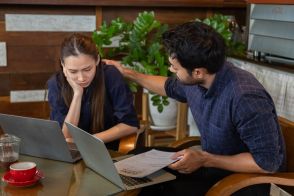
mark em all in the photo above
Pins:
pixel 166 119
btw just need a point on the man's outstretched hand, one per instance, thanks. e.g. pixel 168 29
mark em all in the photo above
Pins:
pixel 117 64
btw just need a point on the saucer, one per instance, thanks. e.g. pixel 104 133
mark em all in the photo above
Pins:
pixel 8 179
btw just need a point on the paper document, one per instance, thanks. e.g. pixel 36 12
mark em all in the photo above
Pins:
pixel 143 164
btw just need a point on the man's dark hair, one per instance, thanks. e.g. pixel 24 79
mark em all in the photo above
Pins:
pixel 195 45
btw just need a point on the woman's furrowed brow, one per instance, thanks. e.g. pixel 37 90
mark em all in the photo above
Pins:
pixel 88 67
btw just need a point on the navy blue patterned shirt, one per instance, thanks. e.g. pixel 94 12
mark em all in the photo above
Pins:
pixel 118 106
pixel 234 115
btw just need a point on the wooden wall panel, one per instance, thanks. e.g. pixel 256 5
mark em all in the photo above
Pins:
pixel 2 27
pixel 23 59
pixel 29 81
pixel 4 84
pixel 170 16
pixel 49 9
pixel 119 3
pixel 33 38
pixel 34 109
pixel 33 56
pixel 173 16
pixel 271 1
pixel 99 17
pixel 22 81
pixel 235 3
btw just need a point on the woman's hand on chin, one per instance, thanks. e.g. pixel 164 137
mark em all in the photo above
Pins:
pixel 77 89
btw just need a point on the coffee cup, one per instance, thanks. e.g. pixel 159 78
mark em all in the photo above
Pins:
pixel 23 171
pixel 9 150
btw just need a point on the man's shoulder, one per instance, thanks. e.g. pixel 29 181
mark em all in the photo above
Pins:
pixel 243 81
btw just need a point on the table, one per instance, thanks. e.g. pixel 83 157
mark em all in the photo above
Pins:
pixel 64 179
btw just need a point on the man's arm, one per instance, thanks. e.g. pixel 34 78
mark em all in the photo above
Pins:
pixel 150 82
pixel 192 160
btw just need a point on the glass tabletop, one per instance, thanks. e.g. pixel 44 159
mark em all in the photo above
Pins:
pixel 62 179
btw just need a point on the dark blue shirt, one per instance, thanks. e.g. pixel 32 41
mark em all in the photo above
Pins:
pixel 234 115
pixel 118 106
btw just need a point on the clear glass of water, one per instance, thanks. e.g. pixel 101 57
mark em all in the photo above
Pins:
pixel 9 150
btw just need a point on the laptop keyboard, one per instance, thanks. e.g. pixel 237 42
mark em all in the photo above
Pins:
pixel 129 181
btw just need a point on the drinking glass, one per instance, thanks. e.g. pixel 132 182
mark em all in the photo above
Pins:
pixel 9 150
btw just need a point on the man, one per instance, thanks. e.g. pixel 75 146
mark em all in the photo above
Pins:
pixel 235 115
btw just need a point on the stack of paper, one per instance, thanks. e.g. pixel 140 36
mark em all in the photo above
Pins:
pixel 144 164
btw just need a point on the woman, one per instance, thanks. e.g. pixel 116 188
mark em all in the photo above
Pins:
pixel 90 94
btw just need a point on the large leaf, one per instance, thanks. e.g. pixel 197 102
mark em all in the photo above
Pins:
pixel 222 25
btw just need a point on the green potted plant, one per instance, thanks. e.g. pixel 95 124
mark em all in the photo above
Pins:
pixel 139 45
pixel 221 23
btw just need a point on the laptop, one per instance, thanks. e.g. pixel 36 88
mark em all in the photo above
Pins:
pixel 40 138
pixel 97 158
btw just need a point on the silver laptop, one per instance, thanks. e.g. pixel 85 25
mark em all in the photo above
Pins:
pixel 40 138
pixel 96 157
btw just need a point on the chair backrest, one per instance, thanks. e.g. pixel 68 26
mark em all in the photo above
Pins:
pixel 132 141
pixel 288 133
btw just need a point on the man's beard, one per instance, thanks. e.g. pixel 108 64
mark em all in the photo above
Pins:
pixel 191 82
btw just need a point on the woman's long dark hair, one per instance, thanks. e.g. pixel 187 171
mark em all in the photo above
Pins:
pixel 75 45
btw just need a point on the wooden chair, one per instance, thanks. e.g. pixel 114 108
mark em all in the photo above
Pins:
pixel 237 181
pixel 177 133
pixel 132 141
